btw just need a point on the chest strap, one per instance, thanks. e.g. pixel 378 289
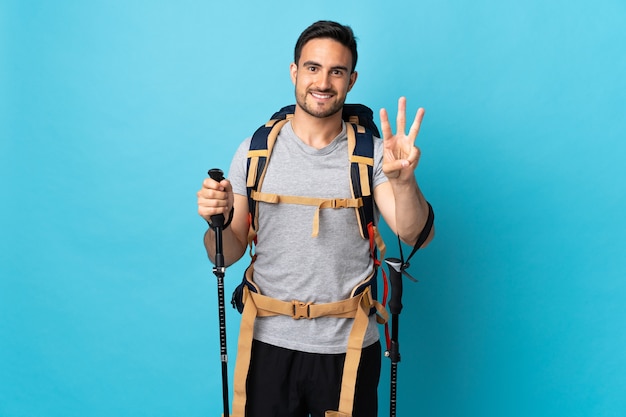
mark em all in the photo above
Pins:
pixel 320 203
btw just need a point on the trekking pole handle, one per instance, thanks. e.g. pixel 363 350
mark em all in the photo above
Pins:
pixel 395 278
pixel 217 174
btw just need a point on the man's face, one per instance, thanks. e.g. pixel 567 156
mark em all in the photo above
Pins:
pixel 322 77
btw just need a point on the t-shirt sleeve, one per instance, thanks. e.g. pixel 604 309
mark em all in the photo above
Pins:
pixel 379 176
pixel 237 172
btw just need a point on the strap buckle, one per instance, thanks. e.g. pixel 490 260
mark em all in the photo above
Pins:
pixel 301 310
pixel 339 203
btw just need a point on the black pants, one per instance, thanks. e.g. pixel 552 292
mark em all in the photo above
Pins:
pixel 287 383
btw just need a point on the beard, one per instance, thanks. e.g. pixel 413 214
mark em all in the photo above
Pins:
pixel 316 111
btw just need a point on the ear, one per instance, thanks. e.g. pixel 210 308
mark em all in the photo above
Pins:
pixel 353 78
pixel 293 72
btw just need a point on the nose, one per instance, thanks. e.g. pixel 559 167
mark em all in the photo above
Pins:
pixel 323 81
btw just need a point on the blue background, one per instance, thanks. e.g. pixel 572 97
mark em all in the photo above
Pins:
pixel 112 111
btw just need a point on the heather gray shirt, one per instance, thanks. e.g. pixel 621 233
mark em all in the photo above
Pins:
pixel 293 265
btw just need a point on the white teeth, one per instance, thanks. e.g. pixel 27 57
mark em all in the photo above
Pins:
pixel 321 95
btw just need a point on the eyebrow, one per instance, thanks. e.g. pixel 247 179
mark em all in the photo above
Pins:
pixel 316 64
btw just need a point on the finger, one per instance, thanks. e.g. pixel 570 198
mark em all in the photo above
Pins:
pixel 384 124
pixel 208 212
pixel 417 123
pixel 210 184
pixel 401 118
pixel 210 202
pixel 414 156
pixel 211 206
pixel 212 196
pixel 392 169
pixel 411 158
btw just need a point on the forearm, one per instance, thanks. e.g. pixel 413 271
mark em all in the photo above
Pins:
pixel 411 211
pixel 232 248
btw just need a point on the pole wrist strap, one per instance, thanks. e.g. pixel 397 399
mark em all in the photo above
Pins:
pixel 230 219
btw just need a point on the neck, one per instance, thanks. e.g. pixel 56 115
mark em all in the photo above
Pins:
pixel 315 131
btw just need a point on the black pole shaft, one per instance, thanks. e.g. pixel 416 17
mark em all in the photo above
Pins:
pixel 223 350
pixel 395 358
pixel 394 379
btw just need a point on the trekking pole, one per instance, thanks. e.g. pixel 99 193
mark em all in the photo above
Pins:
pixel 217 223
pixel 395 307
pixel 398 268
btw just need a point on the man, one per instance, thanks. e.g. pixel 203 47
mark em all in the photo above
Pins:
pixel 296 365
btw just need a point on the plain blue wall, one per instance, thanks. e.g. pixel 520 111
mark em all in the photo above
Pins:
pixel 111 112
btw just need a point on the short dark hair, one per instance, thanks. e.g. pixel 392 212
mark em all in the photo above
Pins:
pixel 327 29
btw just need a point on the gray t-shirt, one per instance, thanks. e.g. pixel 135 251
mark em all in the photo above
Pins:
pixel 293 265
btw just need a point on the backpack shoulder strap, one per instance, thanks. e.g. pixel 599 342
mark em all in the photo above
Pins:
pixel 361 154
pixel 261 145
pixel 361 132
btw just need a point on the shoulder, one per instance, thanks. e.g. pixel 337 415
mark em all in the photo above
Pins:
pixel 242 150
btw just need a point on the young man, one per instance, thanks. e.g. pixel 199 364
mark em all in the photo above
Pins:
pixel 296 365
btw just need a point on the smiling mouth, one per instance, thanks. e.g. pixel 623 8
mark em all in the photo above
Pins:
pixel 321 96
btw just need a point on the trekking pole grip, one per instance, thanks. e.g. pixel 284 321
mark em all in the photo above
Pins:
pixel 217 174
pixel 395 278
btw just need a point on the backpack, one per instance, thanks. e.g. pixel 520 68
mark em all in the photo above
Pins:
pixel 361 131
